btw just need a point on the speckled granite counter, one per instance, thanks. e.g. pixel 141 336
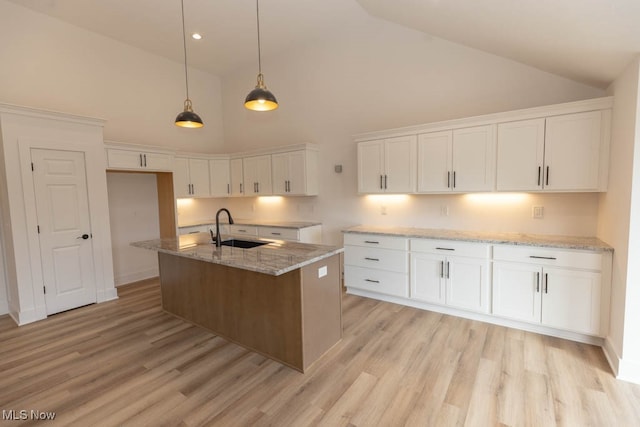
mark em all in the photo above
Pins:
pixel 274 258
pixel 540 240
pixel 256 222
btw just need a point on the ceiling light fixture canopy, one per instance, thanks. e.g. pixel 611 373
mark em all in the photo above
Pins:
pixel 260 98
pixel 187 119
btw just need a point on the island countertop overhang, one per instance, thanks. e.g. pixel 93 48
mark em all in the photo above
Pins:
pixel 275 258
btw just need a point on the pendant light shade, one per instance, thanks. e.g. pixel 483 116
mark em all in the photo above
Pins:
pixel 260 98
pixel 187 119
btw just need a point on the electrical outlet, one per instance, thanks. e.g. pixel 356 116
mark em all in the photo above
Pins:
pixel 444 210
pixel 383 210
pixel 537 212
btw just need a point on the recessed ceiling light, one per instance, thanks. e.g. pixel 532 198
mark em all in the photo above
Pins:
pixel 196 36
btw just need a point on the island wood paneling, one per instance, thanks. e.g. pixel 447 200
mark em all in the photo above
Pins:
pixel 262 312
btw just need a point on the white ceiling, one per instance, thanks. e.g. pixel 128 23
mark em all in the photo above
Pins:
pixel 586 40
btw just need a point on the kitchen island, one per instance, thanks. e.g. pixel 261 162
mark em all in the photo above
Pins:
pixel 281 299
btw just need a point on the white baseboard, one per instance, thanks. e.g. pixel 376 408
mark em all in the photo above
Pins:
pixel 107 295
pixel 611 355
pixel 28 316
pixel 623 369
pixel 124 279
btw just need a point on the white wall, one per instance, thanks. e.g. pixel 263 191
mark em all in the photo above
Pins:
pixel 619 223
pixel 4 303
pixel 52 65
pixel 615 204
pixel 133 210
pixel 378 76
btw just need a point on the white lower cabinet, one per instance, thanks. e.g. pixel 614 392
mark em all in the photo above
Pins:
pixel 561 292
pixel 439 277
pixel 377 264
pixel 549 289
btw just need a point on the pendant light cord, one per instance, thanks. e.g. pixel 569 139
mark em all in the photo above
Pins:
pixel 184 45
pixel 258 25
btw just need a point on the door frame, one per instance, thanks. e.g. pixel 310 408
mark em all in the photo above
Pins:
pixel 98 215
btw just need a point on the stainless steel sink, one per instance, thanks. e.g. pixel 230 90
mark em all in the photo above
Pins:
pixel 244 244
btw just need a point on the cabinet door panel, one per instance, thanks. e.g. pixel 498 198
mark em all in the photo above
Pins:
pixel 434 161
pixel 400 165
pixel 280 173
pixel 297 173
pixel 219 177
pixel 370 166
pixel 571 300
pixel 474 158
pixel 517 291
pixel 181 182
pixel 157 161
pixel 236 177
pixel 427 278
pixel 467 286
pixel 572 151
pixel 199 177
pixel 520 155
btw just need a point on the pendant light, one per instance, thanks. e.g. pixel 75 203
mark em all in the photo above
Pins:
pixel 260 98
pixel 187 119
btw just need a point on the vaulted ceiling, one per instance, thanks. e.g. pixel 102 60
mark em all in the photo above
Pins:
pixel 590 41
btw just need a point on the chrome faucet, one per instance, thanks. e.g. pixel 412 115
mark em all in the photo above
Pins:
pixel 218 240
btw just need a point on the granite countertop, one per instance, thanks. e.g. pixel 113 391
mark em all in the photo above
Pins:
pixel 256 222
pixel 275 258
pixel 539 240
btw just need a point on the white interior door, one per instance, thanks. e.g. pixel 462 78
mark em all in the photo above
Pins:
pixel 60 186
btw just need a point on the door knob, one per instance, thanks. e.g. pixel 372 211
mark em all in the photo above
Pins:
pixel 84 236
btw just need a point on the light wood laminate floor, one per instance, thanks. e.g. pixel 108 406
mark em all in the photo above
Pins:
pixel 126 362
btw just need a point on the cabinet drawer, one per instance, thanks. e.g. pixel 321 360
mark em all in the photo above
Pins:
pixel 249 230
pixel 279 233
pixel 195 229
pixel 384 282
pixel 549 256
pixel 382 259
pixel 376 241
pixel 449 247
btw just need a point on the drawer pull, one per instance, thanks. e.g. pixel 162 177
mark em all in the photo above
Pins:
pixel 373 242
pixel 541 257
pixel 371 281
pixel 276 234
pixel 240 230
pixel 445 249
pixel 371 259
pixel 537 282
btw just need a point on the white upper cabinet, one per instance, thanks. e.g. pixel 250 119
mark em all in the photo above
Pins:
pixel 462 160
pixel 572 152
pixel 257 175
pixel 563 147
pixel 236 176
pixel 295 173
pixel 434 161
pixel 138 160
pixel 191 177
pixel 560 153
pixel 219 177
pixel 387 166
pixel 520 162
pixel 474 158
